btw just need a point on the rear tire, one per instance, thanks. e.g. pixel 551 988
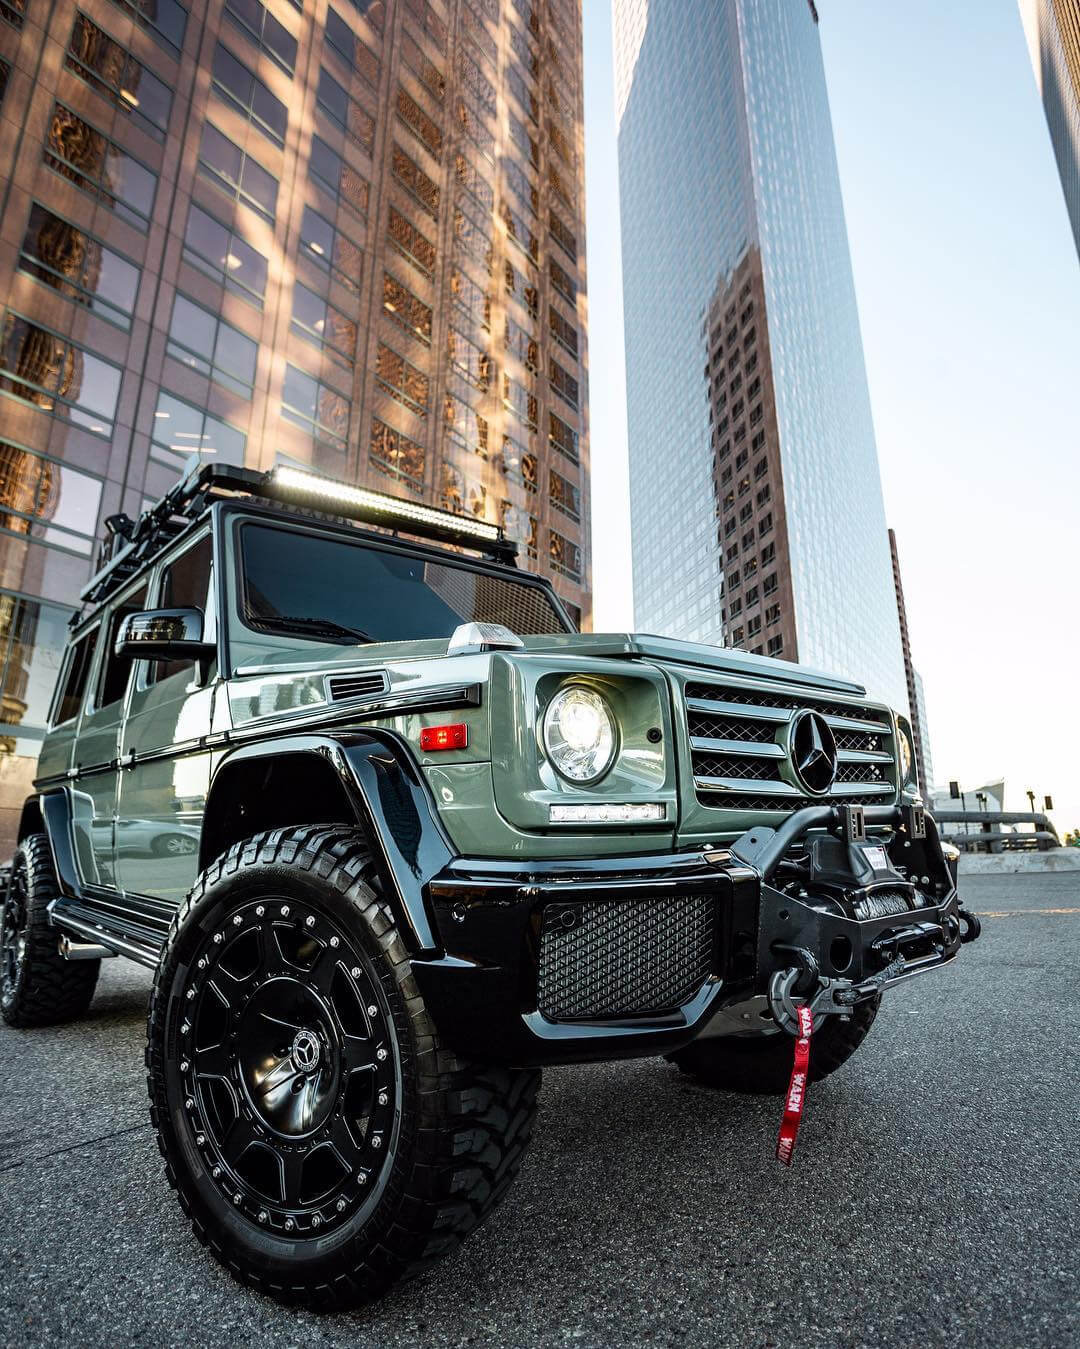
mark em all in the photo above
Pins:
pixel 760 1065
pixel 321 1139
pixel 38 987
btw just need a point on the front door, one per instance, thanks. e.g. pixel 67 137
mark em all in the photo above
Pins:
pixel 96 751
pixel 165 765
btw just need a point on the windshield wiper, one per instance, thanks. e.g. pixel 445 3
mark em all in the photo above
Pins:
pixel 314 627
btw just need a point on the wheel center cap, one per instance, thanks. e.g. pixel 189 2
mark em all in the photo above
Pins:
pixel 306 1051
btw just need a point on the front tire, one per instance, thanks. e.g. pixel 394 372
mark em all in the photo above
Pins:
pixel 38 987
pixel 760 1065
pixel 321 1139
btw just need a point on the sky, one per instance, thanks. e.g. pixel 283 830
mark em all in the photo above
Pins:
pixel 968 285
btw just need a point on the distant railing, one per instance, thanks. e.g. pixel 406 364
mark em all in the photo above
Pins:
pixel 981 836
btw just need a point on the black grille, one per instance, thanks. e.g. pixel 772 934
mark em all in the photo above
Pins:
pixel 623 957
pixel 357 685
pixel 861 740
pixel 784 804
pixel 766 698
pixel 735 766
pixel 860 772
pixel 731 728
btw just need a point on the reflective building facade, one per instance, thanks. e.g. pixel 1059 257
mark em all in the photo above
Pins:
pixel 1052 28
pixel 340 233
pixel 755 492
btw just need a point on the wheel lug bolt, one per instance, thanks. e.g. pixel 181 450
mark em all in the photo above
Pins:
pixel 355 971
pixel 189 1104
pixel 202 963
pixel 185 1028
pixel 237 1198
pixel 380 1054
pixel 217 936
pixel 309 921
pixel 316 1221
pixel 289 1224
pixel 372 1010
pixel 341 1205
pixel 216 1172
pixel 201 1140
pixel 184 1065
pixel 383 1098
pixel 334 943
pixel 263 1215
pixel 260 909
pixel 237 920
pixel 361 1178
pixel 376 1142
pixel 285 914
pixel 190 993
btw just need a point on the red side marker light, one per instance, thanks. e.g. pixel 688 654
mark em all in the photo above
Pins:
pixel 444 737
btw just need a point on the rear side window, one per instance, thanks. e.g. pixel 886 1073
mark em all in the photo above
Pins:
pixel 78 671
pixel 114 675
pixel 185 584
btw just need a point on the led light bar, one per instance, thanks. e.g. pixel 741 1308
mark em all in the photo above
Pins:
pixel 296 483
pixel 643 812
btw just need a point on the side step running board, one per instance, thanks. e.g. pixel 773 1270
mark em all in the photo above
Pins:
pixel 95 928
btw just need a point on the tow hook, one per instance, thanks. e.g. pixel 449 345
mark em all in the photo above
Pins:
pixel 828 997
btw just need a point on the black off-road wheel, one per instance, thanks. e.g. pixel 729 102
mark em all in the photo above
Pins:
pixel 322 1141
pixel 760 1065
pixel 38 987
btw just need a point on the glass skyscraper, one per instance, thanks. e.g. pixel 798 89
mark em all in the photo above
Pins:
pixel 1052 28
pixel 755 493
pixel 340 233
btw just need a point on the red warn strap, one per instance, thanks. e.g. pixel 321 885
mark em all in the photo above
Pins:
pixel 796 1092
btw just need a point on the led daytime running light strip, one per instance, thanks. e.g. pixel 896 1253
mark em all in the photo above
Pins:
pixel 326 489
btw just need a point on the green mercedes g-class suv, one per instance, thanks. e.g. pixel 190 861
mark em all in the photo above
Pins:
pixel 393 836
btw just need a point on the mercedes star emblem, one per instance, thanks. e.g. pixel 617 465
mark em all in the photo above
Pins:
pixel 813 751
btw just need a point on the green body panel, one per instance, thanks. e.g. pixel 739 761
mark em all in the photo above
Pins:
pixel 145 764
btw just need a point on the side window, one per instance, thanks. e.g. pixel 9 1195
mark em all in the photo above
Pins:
pixel 78 671
pixel 115 668
pixel 185 584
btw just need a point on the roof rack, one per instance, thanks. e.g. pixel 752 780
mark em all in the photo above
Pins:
pixel 132 543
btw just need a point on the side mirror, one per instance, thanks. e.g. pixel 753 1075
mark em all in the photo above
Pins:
pixel 164 634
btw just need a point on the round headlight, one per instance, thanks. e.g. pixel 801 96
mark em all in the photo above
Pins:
pixel 907 754
pixel 579 734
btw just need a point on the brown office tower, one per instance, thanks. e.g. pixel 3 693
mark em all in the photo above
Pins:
pixel 347 234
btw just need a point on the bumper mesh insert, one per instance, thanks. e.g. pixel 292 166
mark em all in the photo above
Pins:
pixel 624 957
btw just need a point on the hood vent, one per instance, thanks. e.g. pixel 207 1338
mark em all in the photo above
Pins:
pixel 360 685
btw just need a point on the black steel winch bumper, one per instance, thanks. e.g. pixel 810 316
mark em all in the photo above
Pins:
pixel 577 960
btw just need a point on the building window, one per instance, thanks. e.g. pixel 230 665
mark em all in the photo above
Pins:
pixel 402 381
pixel 205 343
pixel 321 411
pixel 472 236
pixel 356 54
pixel 477 130
pixel 522 186
pixel 330 249
pixel 772 614
pixel 562 283
pixel 396 456
pixel 97 165
pixel 164 20
pixel 519 401
pixel 405 309
pixel 565 497
pixel 476 82
pixel 516 286
pixel 220 252
pixel 415 247
pixel 774 646
pixel 33 640
pixel 764 525
pixel 521 344
pixel 521 91
pixel 769 584
pixel 737 636
pixel 318 322
pixel 115 74
pixel 767 554
pixel 764 495
pixel 471 300
pixel 344 111
pixel 468 360
pixel 563 437
pixel 564 384
pixel 54 374
pixel 562 236
pixel 560 187
pixel 474 182
pixel 47 501
pixel 465 427
pixel 520 233
pixel 76 264
pixel 237 174
pixel 328 170
pixel 564 556
pixel 525 144
pixel 181 430
pixel 239 86
pixel 12 12
pixel 415 181
pixel 422 14
pixel 416 120
pixel 425 70
pixel 264 30
pixel 473 24
pixel 563 332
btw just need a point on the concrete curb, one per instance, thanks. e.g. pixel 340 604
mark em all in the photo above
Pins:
pixel 1009 864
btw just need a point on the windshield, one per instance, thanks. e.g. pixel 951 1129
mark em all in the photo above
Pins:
pixel 329 589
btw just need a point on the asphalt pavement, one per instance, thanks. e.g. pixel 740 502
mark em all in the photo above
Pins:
pixel 934 1198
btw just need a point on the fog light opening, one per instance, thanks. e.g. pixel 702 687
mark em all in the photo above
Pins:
pixel 840 954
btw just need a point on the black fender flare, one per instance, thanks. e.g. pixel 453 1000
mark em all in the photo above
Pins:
pixel 391 802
